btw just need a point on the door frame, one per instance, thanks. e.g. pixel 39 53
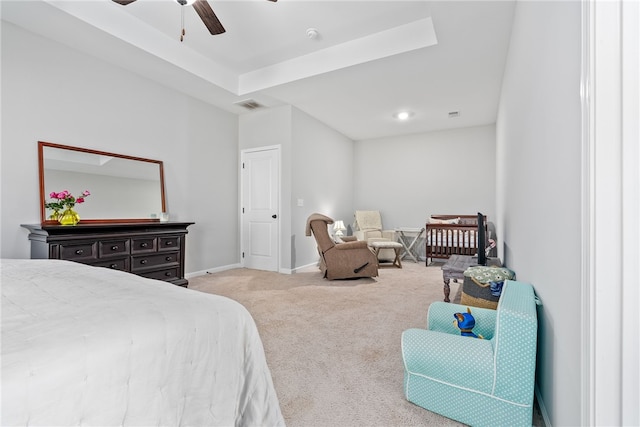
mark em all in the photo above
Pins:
pixel 278 149
pixel 610 103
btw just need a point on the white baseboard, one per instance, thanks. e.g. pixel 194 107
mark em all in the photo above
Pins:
pixel 313 264
pixel 543 409
pixel 211 270
pixel 232 266
pixel 297 269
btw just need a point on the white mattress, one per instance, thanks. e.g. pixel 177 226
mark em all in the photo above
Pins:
pixel 91 346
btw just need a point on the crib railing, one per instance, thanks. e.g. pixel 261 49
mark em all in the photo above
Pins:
pixel 444 240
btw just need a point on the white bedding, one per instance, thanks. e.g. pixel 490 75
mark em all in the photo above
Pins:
pixel 91 346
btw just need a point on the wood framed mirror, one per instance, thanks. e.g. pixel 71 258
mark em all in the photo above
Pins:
pixel 123 188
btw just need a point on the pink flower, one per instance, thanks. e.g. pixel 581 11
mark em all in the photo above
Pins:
pixel 65 200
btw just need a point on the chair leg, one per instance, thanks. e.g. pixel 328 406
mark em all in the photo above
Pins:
pixel 397 261
pixel 375 252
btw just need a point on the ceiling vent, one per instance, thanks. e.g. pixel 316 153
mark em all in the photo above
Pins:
pixel 249 104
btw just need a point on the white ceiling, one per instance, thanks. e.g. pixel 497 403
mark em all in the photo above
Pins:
pixel 371 59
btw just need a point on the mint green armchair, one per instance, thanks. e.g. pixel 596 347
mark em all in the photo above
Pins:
pixel 480 382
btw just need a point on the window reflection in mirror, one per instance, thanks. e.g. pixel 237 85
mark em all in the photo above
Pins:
pixel 122 187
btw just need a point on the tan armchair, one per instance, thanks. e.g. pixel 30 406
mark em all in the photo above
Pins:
pixel 368 227
pixel 340 260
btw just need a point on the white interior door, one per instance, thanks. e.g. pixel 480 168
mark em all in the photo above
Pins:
pixel 259 210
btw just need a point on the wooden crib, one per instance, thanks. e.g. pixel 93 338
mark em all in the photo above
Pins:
pixel 445 239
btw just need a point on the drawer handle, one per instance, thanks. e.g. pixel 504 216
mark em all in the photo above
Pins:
pixel 169 243
pixel 114 247
pixel 79 252
pixel 168 258
pixel 168 274
pixel 144 244
pixel 143 261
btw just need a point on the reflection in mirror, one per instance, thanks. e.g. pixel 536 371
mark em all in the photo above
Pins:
pixel 122 187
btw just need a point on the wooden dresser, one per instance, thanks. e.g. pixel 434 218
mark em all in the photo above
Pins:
pixel 150 249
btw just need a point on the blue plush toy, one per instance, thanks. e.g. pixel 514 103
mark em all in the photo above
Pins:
pixel 466 322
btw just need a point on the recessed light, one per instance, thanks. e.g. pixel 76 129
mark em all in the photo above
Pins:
pixel 403 115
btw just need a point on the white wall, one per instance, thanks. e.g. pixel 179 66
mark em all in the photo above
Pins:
pixel 408 178
pixel 55 94
pixel 264 128
pixel 539 188
pixel 316 167
pixel 322 172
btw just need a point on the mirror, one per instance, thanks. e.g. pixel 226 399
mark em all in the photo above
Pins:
pixel 123 188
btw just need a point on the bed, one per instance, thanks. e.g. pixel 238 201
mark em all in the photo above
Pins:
pixel 87 345
pixel 447 235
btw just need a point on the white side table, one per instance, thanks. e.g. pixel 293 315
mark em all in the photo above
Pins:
pixel 405 234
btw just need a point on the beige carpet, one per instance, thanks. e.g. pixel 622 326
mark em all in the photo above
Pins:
pixel 333 347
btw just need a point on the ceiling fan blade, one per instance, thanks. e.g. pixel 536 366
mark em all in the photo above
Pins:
pixel 124 2
pixel 273 0
pixel 208 17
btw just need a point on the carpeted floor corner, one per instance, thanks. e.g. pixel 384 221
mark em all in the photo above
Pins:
pixel 333 347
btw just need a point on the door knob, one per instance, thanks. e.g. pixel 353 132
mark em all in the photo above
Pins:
pixel 274 216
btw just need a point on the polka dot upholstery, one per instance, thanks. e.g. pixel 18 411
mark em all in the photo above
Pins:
pixel 475 381
pixel 441 319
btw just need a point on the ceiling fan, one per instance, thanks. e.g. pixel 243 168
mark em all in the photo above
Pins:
pixel 203 9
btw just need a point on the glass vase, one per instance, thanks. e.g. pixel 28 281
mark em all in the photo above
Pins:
pixel 69 217
pixel 54 215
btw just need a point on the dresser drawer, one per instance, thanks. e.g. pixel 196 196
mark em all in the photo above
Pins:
pixel 153 249
pixel 79 252
pixel 109 248
pixel 144 262
pixel 168 243
pixel 166 274
pixel 115 264
pixel 141 245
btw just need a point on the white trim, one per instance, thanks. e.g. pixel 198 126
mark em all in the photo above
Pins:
pixel 586 224
pixel 238 265
pixel 302 267
pixel 195 274
pixel 211 270
pixel 264 148
pixel 610 245
pixel 610 97
pixel 630 387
